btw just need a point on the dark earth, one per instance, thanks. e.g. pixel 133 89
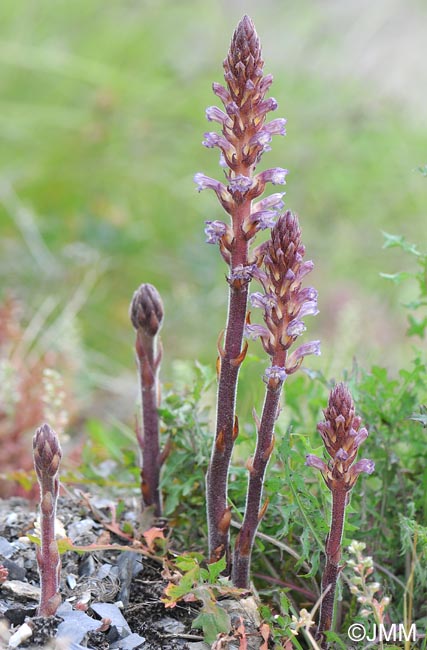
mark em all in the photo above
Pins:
pixel 111 598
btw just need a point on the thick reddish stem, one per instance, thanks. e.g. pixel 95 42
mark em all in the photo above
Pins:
pixel 333 556
pixel 148 362
pixel 252 518
pixel 146 313
pixel 217 479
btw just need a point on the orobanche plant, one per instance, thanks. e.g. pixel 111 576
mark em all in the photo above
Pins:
pixel 278 265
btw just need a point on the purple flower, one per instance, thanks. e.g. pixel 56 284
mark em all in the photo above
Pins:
pixel 314 461
pixel 264 85
pixel 266 106
pixel 308 293
pixel 258 300
pixel 276 176
pixel 306 267
pixel 341 454
pixel 264 219
pixel 308 308
pixel 205 182
pixel 222 93
pixel 240 184
pixel 360 436
pixel 214 231
pixel 253 331
pixel 313 347
pixel 275 372
pixel 276 127
pixel 364 465
pixel 261 139
pixel 215 114
pixel 272 202
pixel 213 139
pixel 295 328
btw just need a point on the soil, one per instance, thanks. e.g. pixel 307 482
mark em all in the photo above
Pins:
pixel 111 598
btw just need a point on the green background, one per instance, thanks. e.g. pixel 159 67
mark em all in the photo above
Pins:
pixel 102 117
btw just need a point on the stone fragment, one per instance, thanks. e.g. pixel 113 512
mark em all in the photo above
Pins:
pixel 21 590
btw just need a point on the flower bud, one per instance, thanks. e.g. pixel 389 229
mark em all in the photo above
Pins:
pixel 146 310
pixel 47 451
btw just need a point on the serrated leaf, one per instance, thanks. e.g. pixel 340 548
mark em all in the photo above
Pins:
pixel 398 241
pixel 215 569
pixel 173 592
pixel 214 622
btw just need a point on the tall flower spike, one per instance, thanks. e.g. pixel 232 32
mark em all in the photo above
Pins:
pixel 284 303
pixel 342 435
pixel 146 314
pixel 47 456
pixel 244 137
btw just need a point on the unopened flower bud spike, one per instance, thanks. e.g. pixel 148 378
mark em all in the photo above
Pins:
pixel 243 139
pixel 146 314
pixel 47 457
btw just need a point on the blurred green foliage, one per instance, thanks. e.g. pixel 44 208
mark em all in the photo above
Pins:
pixel 102 110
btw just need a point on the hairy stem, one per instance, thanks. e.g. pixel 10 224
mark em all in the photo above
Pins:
pixel 253 514
pixel 333 556
pixel 149 362
pixel 219 515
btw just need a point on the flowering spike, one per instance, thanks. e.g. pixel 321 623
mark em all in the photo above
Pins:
pixel 342 435
pixel 243 138
pixel 284 304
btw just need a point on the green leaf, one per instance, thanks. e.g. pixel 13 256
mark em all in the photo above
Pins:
pixel 175 592
pixel 398 241
pixel 215 569
pixel 397 278
pixel 213 622
pixel 416 327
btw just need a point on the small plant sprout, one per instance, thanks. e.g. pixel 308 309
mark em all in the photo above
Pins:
pixel 284 304
pixel 342 435
pixel 146 313
pixel 244 138
pixel 47 456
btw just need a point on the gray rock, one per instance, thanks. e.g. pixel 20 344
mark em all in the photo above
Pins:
pixel 131 642
pixel 15 572
pixel 76 624
pixel 16 614
pixel 170 625
pixel 21 590
pixel 245 608
pixel 111 611
pixel 6 549
pixel 71 581
pixel 78 528
pixel 128 565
